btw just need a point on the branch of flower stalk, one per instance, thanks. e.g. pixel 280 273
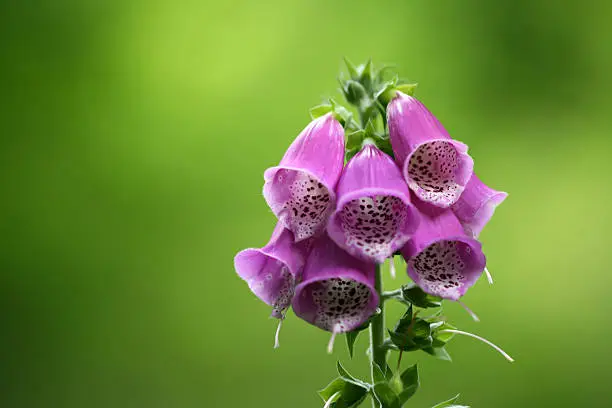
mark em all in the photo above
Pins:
pixel 391 294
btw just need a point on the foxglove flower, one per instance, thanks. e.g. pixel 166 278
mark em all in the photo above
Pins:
pixel 436 167
pixel 337 291
pixel 374 216
pixel 476 205
pixel 300 190
pixel 272 271
pixel 441 258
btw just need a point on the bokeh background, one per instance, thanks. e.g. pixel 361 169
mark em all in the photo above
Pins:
pixel 133 137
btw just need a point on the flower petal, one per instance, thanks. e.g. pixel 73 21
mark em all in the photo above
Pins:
pixel 337 292
pixel 273 271
pixel 476 205
pixel 300 190
pixel 374 216
pixel 441 258
pixel 436 167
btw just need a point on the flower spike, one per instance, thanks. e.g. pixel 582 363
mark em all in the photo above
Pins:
pixel 441 258
pixel 374 216
pixel 337 292
pixel 476 205
pixel 436 167
pixel 300 190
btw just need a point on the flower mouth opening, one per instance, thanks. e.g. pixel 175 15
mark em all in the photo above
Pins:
pixel 341 304
pixel 442 268
pixel 269 279
pixel 433 172
pixel 373 226
pixel 300 201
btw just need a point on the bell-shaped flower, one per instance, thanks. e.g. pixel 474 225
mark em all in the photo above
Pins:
pixel 436 167
pixel 273 271
pixel 337 291
pixel 442 260
pixel 300 190
pixel 476 205
pixel 374 216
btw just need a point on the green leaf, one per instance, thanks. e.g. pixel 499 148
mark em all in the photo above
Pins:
pixel 386 396
pixel 410 382
pixel 416 296
pixel 333 387
pixel 378 374
pixel 355 139
pixel 349 378
pixel 438 352
pixel 350 395
pixel 450 403
pixel 403 341
pixel 350 341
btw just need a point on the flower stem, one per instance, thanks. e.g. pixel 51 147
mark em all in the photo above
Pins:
pixel 377 333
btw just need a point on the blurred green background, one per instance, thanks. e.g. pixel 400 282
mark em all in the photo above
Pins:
pixel 134 135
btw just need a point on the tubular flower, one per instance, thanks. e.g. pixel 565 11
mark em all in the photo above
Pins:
pixel 441 258
pixel 337 292
pixel 273 271
pixel 300 190
pixel 436 167
pixel 374 216
pixel 476 205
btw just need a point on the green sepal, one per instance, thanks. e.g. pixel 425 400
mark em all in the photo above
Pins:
pixel 351 336
pixel 440 339
pixel 408 89
pixel 344 394
pixel 385 395
pixel 341 114
pixel 354 141
pixel 450 403
pixel 414 295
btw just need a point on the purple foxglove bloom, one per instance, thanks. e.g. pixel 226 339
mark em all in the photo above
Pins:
pixel 476 205
pixel 300 190
pixel 337 291
pixel 374 216
pixel 436 167
pixel 441 258
pixel 272 271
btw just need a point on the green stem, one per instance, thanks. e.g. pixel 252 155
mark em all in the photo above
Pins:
pixel 377 333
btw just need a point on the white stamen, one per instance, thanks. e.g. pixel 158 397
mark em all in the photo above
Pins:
pixel 330 345
pixel 499 350
pixel 276 336
pixel 489 277
pixel 392 266
pixel 467 309
pixel 331 400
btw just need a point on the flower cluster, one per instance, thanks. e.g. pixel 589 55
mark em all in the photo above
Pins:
pixel 346 204
pixel 336 221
